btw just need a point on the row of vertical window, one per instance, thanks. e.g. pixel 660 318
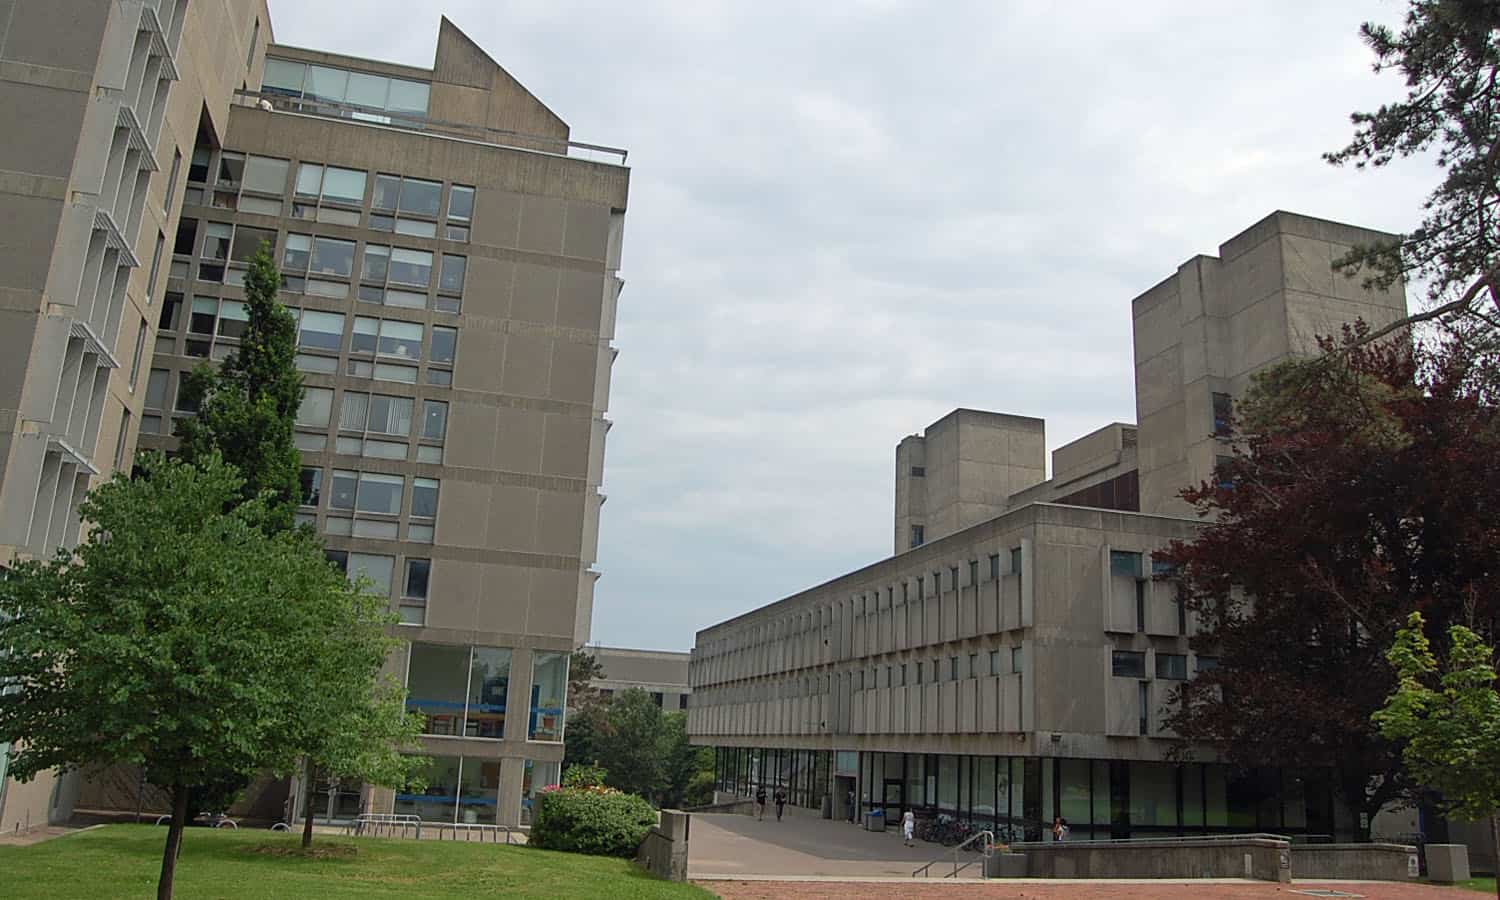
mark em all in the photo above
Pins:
pixel 1002 661
pixel 369 504
pixel 463 691
pixel 332 195
pixel 379 569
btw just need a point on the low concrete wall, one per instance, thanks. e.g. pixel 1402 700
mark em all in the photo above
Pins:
pixel 730 805
pixel 1265 859
pixel 1373 862
pixel 664 851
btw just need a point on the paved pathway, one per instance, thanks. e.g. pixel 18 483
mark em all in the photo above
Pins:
pixel 798 845
pixel 1086 890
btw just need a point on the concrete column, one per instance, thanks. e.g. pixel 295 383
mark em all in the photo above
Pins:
pixel 518 695
pixel 508 804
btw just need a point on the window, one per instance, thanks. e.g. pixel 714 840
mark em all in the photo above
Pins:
pixel 1223 414
pixel 460 203
pixel 135 361
pixel 454 269
pixel 973 665
pixel 345 484
pixel 187 236
pixel 254 40
pixel 918 672
pixel 411 267
pixel 321 330
pixel 1171 665
pixel 156 389
pixel 1145 705
pixel 172 180
pixel 298 252
pixel 995 662
pixel 420 197
pixel 375 567
pixel 1128 664
pixel 332 257
pixel 1015 560
pixel 379 493
pixel 919 471
pixel 444 344
pixel 316 408
pixel 424 498
pixel 161 244
pixel 1207 663
pixel 1017 660
pixel 953 578
pixel 122 440
pixel 312 486
pixel 288 78
pixel 418 571
pixel 266 175
pixel 952 668
pixel 994 567
pixel 549 684
pixel 1222 471
pixel 916 538
pixel 434 420
pixel 973 571
pixel 1124 564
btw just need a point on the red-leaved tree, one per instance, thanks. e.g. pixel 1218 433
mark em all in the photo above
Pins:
pixel 1361 488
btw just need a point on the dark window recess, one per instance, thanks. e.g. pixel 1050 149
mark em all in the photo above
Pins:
pixel 916 535
pixel 1123 492
pixel 1223 414
pixel 682 701
pixel 1015 560
pixel 1128 664
pixel 919 471
pixel 1145 723
pixel 973 571
pixel 171 309
pixel 187 236
pixel 1207 663
pixel 994 567
pixel 339 558
pixel 1140 605
pixel 1222 475
pixel 1171 665
pixel 656 696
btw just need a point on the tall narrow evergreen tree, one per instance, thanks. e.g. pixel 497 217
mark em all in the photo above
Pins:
pixel 247 407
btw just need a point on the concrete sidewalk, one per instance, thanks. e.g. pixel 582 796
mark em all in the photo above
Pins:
pixel 729 845
pixel 1069 889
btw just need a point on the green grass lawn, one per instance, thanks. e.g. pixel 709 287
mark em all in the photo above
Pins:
pixel 1480 884
pixel 123 861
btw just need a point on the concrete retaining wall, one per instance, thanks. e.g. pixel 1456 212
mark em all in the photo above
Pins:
pixel 1264 859
pixel 1376 862
pixel 664 851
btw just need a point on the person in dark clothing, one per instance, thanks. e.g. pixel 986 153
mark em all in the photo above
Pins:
pixel 780 802
pixel 760 799
pixel 853 812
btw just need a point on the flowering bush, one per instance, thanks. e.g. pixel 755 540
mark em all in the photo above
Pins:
pixel 597 820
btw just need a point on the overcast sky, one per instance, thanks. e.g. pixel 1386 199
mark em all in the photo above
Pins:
pixel 847 220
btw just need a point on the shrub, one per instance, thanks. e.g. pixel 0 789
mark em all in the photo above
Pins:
pixel 595 820
pixel 582 776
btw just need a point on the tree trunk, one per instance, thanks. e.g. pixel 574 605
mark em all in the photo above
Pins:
pixel 309 781
pixel 1495 839
pixel 174 842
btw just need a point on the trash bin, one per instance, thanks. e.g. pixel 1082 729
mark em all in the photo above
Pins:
pixel 875 820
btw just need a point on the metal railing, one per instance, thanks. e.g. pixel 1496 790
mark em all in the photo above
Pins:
pixel 1166 839
pixel 384 825
pixel 403 825
pixel 372 115
pixel 485 833
pixel 985 850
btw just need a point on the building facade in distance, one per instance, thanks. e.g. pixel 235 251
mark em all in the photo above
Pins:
pixel 452 258
pixel 661 673
pixel 1013 661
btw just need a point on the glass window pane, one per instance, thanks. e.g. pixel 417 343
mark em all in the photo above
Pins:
pixel 387 192
pixel 403 339
pixel 413 267
pixel 283 77
pixel 407 96
pixel 436 685
pixel 405 299
pixel 453 273
pixel 265 174
pixel 331 257
pixel 298 252
pixel 384 450
pixel 312 486
pixel 156 389
pixel 421 197
pixel 461 203
pixel 434 419
pixel 382 223
pixel 316 408
pixel 1124 564
pixel 344 186
pixel 344 486
pixel 416 227
pixel 377 263
pixel 424 498
pixel 380 493
pixel 216 245
pixel 444 343
pixel 437 802
pixel 549 683
pixel 390 372
pixel 390 415
pixel 231 168
pixel 322 330
pixel 309 180
pixel 489 680
pixel 367 90
pixel 366 331
pixel 205 311
pixel 356 408
pixel 232 318
pixel 375 567
pixel 324 83
pixel 247 241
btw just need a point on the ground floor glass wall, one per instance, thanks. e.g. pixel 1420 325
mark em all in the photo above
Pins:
pixel 458 789
pixel 1020 796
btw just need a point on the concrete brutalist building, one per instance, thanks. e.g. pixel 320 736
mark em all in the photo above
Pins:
pixel 452 256
pixel 1012 660
pixel 661 673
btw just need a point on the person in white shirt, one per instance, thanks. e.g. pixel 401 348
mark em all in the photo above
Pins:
pixel 1060 829
pixel 908 826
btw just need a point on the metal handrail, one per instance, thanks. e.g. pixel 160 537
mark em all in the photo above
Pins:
pixel 471 828
pixel 372 823
pixel 986 850
pixel 1165 839
pixel 377 116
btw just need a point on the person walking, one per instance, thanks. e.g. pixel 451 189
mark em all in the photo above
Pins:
pixel 853 810
pixel 908 827
pixel 780 802
pixel 760 801
pixel 1060 829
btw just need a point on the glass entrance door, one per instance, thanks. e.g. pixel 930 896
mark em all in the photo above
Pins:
pixel 894 800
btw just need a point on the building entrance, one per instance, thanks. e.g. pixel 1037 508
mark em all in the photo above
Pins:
pixel 893 799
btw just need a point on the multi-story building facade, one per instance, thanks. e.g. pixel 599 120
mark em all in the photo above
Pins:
pixel 1014 661
pixel 661 673
pixel 452 257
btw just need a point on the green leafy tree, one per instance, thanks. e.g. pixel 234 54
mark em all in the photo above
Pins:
pixel 682 783
pixel 587 727
pixel 1449 722
pixel 247 407
pixel 633 749
pixel 583 670
pixel 176 637
pixel 1449 53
